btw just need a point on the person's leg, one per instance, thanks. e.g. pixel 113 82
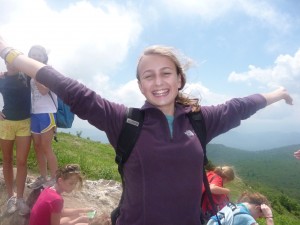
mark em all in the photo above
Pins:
pixel 22 150
pixel 46 146
pixel 7 155
pixel 8 174
pixel 40 156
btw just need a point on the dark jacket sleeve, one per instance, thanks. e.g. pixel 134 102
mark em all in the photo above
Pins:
pixel 221 118
pixel 85 103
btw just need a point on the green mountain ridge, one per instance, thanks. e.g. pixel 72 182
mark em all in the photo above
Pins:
pixel 276 168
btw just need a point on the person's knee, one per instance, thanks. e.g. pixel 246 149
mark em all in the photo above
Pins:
pixel 7 161
pixel 22 163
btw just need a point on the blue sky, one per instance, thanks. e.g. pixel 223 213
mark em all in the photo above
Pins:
pixel 238 48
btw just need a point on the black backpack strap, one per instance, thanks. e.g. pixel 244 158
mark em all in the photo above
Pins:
pixel 198 124
pixel 130 132
pixel 128 136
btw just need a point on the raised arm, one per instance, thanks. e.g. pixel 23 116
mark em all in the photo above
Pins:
pixel 277 95
pixel 219 190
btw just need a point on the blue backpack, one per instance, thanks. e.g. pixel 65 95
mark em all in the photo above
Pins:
pixel 226 215
pixel 64 116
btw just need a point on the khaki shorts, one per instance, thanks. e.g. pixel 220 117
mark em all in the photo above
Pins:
pixel 9 129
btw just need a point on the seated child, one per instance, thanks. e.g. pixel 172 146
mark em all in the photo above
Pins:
pixel 48 209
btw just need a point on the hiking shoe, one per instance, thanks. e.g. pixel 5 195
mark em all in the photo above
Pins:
pixel 49 183
pixel 11 205
pixel 22 207
pixel 37 183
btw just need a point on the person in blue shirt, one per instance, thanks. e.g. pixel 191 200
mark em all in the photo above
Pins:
pixel 249 208
pixel 15 129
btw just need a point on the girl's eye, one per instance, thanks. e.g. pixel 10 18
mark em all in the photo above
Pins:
pixel 147 77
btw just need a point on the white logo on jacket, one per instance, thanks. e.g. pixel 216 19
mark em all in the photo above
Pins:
pixel 189 133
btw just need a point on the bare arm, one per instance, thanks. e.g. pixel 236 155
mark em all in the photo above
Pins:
pixel 277 95
pixel 75 212
pixel 75 216
pixel 55 218
pixel 218 190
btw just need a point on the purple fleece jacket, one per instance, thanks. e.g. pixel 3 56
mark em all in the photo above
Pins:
pixel 163 174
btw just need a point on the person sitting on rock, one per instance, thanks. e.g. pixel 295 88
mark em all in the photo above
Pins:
pixel 48 209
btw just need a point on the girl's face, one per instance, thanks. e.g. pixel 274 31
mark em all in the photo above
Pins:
pixel 38 55
pixel 69 184
pixel 159 81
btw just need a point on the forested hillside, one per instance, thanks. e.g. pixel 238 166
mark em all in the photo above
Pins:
pixel 274 168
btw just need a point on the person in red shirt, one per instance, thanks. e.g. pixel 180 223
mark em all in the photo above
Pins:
pixel 216 179
pixel 48 209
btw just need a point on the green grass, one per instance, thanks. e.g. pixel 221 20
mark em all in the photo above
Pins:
pixel 95 159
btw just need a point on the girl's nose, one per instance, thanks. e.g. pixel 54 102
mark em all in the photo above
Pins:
pixel 158 80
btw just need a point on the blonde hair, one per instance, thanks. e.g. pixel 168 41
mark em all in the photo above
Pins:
pixel 254 198
pixel 68 171
pixel 225 172
pixel 182 63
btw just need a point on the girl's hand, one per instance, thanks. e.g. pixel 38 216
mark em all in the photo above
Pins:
pixel 83 219
pixel 266 210
pixel 297 154
pixel 277 95
pixel 2 116
pixel 286 96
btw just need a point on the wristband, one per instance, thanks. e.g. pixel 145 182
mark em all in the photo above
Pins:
pixel 12 55
pixel 267 217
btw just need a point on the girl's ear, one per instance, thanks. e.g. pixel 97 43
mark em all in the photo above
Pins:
pixel 59 180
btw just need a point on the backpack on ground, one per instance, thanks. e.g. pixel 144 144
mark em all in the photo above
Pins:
pixel 64 116
pixel 129 135
pixel 227 214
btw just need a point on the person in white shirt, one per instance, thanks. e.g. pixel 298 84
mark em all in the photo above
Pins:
pixel 43 123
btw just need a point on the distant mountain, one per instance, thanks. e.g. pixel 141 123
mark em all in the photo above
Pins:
pixel 258 140
pixel 274 167
pixel 251 141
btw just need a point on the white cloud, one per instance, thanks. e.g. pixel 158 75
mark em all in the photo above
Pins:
pixel 210 10
pixel 82 38
pixel 266 14
pixel 285 72
pixel 207 9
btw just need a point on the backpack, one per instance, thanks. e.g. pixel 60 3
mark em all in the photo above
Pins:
pixel 227 214
pixel 129 135
pixel 64 116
